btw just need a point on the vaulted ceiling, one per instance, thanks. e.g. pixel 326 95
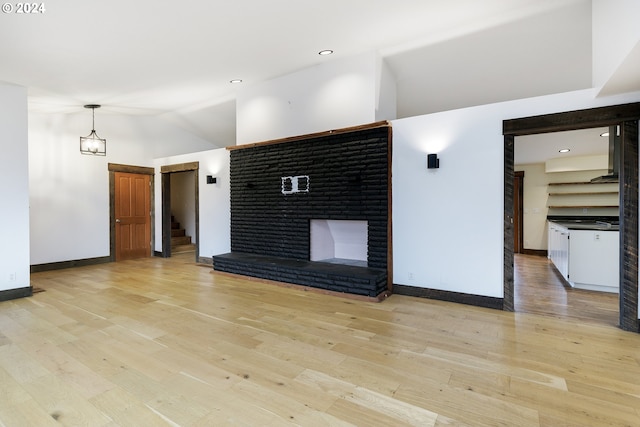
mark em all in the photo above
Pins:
pixel 176 59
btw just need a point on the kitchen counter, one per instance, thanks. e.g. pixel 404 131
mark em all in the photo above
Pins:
pixel 588 225
pixel 585 253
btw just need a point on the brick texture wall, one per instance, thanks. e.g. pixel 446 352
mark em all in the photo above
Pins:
pixel 348 180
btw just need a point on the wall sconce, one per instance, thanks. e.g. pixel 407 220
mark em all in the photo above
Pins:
pixel 211 179
pixel 433 162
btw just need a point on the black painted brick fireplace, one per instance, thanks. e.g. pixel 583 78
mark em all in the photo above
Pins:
pixel 348 179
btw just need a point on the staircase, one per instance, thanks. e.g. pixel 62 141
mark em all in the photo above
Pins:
pixel 179 241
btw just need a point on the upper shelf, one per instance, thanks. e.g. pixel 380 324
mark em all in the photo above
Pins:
pixel 575 196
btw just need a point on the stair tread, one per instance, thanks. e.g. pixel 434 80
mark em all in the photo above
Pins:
pixel 183 248
pixel 181 240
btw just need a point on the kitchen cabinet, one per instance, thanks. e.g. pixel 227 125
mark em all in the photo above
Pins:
pixel 593 260
pixel 558 251
pixel 586 258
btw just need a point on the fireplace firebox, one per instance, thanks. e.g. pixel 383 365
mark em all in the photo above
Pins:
pixel 338 241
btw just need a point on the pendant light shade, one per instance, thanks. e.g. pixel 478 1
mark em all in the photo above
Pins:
pixel 92 143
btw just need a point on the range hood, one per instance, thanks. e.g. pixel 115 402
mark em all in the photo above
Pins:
pixel 614 158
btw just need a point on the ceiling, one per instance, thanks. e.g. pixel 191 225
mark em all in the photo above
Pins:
pixel 175 60
pixel 542 147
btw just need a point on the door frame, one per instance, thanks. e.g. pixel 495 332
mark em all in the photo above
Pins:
pixel 518 217
pixel 166 172
pixel 625 115
pixel 141 170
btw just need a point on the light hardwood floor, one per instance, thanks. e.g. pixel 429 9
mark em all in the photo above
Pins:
pixel 539 289
pixel 164 342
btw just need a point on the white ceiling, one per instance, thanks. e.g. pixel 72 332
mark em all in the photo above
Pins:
pixel 540 148
pixel 175 59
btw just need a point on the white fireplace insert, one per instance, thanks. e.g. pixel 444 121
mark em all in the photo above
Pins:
pixel 339 241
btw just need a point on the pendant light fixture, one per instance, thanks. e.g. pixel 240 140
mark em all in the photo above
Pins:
pixel 92 143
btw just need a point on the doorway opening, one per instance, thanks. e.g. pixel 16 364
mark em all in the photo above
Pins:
pixel 183 212
pixel 626 116
pixel 564 185
pixel 180 209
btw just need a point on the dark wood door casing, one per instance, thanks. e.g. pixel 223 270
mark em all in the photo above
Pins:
pixel 518 206
pixel 166 172
pixel 627 116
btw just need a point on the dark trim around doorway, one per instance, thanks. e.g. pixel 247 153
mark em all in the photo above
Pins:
pixel 626 116
pixel 518 216
pixel 166 172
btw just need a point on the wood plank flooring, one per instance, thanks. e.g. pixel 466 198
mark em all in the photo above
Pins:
pixel 165 342
pixel 540 290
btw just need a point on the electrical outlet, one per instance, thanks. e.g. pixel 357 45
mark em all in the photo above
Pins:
pixel 12 277
pixel 410 276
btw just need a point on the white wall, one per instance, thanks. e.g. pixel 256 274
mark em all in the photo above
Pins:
pixel 332 95
pixel 69 192
pixel 14 188
pixel 215 209
pixel 447 223
pixel 578 163
pixel 535 200
pixel 616 32
pixel 386 92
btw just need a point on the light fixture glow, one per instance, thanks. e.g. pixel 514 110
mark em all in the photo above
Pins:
pixel 604 134
pixel 325 52
pixel 92 143
pixel 235 81
pixel 564 150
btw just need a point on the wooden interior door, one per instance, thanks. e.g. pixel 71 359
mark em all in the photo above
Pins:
pixel 518 195
pixel 133 216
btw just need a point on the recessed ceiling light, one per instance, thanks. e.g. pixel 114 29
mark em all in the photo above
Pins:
pixel 564 150
pixel 325 52
pixel 235 81
pixel 606 134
